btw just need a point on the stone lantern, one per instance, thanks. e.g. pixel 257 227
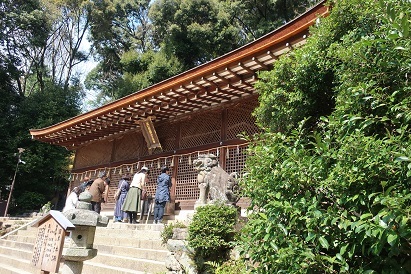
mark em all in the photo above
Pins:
pixel 78 246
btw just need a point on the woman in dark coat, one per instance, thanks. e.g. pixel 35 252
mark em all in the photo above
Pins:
pixel 162 194
pixel 124 186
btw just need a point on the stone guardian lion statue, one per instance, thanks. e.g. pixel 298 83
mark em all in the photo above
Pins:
pixel 214 182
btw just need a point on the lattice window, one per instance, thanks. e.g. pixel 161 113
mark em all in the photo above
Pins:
pixel 115 175
pixel 241 120
pixel 155 170
pixel 201 129
pixel 187 186
pixel 235 159
pixel 167 135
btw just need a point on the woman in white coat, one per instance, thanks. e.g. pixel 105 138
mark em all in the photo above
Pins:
pixel 72 199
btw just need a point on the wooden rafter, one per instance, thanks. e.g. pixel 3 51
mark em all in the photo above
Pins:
pixel 222 80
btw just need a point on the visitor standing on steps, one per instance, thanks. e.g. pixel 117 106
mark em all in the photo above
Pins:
pixel 97 189
pixel 124 186
pixel 162 194
pixel 132 204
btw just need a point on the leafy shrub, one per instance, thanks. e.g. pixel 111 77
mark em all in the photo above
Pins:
pixel 232 267
pixel 211 233
pixel 167 232
pixel 332 193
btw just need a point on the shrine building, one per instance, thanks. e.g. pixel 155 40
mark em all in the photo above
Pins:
pixel 202 110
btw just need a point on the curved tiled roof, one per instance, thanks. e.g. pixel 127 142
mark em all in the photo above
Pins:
pixel 221 80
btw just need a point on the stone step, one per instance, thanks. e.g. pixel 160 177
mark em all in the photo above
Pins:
pixel 114 257
pixel 130 242
pixel 100 241
pixel 129 231
pixel 139 226
pixel 19 245
pixel 16 252
pixel 22 238
pixel 147 266
pixel 122 248
pixel 115 230
pixel 17 260
pixel 141 253
pixel 8 269
pixel 93 268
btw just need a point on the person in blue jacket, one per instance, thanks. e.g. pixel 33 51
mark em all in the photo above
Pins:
pixel 162 194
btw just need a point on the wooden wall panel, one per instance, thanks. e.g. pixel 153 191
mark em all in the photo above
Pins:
pixel 131 146
pixel 97 153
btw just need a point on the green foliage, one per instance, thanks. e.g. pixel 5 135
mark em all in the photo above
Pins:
pixel 30 201
pixel 257 18
pixel 167 232
pixel 332 192
pixel 140 43
pixel 232 267
pixel 33 97
pixel 194 31
pixel 211 233
pixel 45 170
pixel 150 68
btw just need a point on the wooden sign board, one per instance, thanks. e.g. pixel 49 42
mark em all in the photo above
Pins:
pixel 48 246
pixel 150 134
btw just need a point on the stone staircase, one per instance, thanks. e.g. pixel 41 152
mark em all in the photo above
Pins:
pixel 122 248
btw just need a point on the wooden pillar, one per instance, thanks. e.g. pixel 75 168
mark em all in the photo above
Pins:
pixel 170 207
pixel 224 125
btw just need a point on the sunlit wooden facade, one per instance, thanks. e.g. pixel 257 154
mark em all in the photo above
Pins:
pixel 202 110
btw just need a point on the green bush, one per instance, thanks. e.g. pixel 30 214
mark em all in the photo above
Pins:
pixel 211 233
pixel 331 193
pixel 167 232
pixel 232 267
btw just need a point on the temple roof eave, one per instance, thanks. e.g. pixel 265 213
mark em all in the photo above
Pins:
pixel 219 81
